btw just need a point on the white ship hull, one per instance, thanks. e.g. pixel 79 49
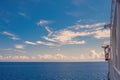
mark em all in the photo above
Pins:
pixel 114 64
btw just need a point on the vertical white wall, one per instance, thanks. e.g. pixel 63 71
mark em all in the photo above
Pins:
pixel 115 45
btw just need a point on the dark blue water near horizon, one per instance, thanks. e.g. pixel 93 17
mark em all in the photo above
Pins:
pixel 53 71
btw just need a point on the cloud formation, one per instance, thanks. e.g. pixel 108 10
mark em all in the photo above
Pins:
pixel 14 58
pixel 102 34
pixel 29 43
pixel 22 14
pixel 43 22
pixel 105 43
pixel 93 56
pixel 64 37
pixel 70 34
pixel 45 43
pixel 18 46
pixel 12 36
pixel 16 50
pixel 49 31
pixel 87 26
pixel 39 43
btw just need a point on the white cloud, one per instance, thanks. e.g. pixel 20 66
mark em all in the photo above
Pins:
pixel 19 46
pixel 92 56
pixel 77 42
pixel 12 36
pixel 87 26
pixel 96 55
pixel 69 34
pixel 1 57
pixel 52 57
pixel 66 37
pixel 16 50
pixel 49 31
pixel 30 43
pixel 45 43
pixel 39 43
pixel 105 43
pixel 19 51
pixel 102 34
pixel 43 22
pixel 7 33
pixel 14 58
pixel 49 39
pixel 97 30
pixel 23 57
pixel 22 14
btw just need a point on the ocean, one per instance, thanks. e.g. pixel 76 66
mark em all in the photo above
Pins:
pixel 53 71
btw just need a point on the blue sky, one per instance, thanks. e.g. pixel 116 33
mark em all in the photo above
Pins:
pixel 53 30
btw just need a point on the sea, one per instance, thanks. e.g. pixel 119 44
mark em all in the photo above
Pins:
pixel 53 70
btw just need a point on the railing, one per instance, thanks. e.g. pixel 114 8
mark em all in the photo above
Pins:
pixel 115 73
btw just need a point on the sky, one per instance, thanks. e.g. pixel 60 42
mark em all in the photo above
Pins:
pixel 53 30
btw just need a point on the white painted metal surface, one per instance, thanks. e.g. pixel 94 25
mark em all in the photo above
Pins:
pixel 114 64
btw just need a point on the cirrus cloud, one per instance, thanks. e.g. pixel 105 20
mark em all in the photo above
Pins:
pixel 12 36
pixel 71 33
pixel 29 43
pixel 74 34
pixel 43 22
pixel 39 43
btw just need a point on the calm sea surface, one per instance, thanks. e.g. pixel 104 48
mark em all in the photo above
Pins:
pixel 53 71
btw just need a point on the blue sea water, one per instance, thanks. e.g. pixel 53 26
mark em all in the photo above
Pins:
pixel 53 71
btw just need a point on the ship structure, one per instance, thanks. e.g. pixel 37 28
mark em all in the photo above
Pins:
pixel 114 60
